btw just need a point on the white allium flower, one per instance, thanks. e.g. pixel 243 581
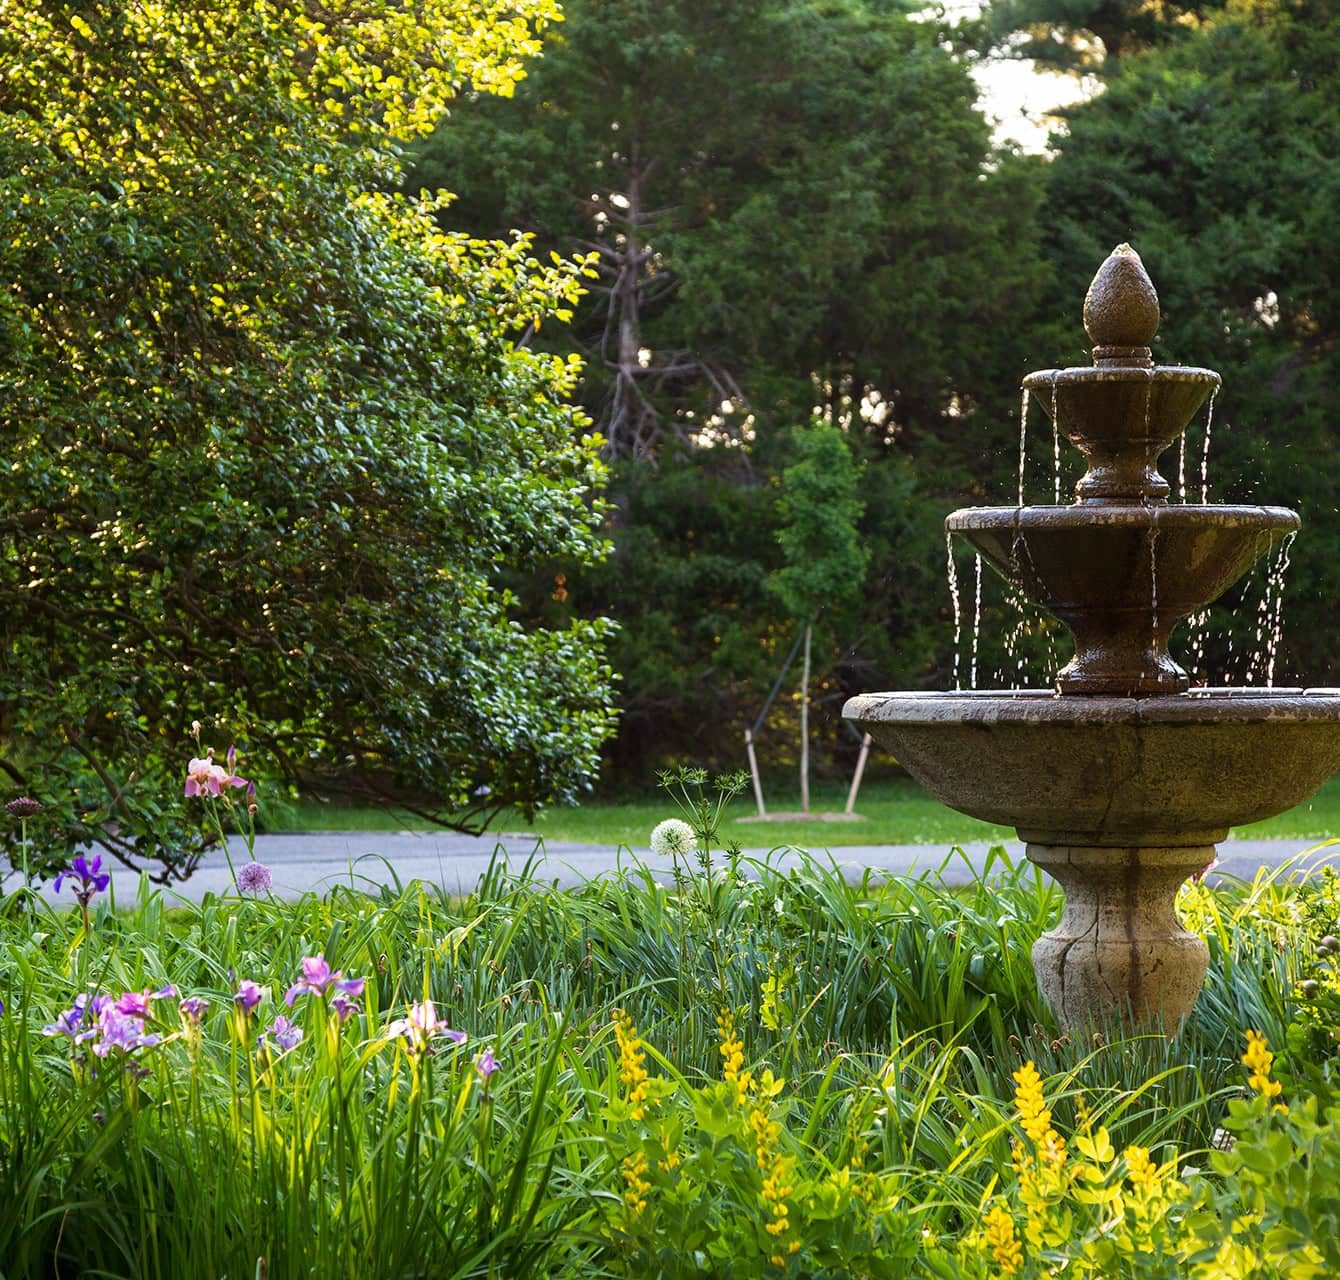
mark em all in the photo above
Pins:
pixel 672 839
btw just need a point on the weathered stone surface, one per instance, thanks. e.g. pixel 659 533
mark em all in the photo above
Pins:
pixel 1123 576
pixel 1122 420
pixel 1121 308
pixel 1119 953
pixel 1176 770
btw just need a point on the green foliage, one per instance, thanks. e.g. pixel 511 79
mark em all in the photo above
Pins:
pixel 861 1057
pixel 271 438
pixel 1088 35
pixel 793 206
pixel 820 510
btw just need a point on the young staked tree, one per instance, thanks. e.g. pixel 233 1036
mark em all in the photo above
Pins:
pixel 269 437
pixel 825 560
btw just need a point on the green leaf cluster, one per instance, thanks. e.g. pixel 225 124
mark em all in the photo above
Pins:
pixel 270 440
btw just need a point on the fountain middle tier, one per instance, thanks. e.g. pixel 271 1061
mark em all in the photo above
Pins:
pixel 1122 576
pixel 1171 771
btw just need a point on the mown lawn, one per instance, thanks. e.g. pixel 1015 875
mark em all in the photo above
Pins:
pixel 893 811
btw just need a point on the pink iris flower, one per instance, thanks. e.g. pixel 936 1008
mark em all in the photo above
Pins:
pixel 205 778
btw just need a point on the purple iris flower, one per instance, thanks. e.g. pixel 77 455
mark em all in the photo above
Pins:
pixel 116 1030
pixel 92 879
pixel 282 1032
pixel 137 1004
pixel 421 1025
pixel 486 1064
pixel 248 996
pixel 318 980
pixel 344 1006
pixel 69 1022
pixel 193 1008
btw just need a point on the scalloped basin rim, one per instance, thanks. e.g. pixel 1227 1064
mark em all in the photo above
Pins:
pixel 1120 373
pixel 1087 515
pixel 1046 706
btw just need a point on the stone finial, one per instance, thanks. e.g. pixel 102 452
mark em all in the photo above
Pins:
pixel 1121 310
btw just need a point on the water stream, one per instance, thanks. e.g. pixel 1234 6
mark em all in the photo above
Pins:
pixel 958 612
pixel 1277 622
pixel 1205 452
pixel 976 621
pixel 1023 440
pixel 1056 447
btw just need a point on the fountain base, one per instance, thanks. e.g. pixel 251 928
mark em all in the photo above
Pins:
pixel 1119 952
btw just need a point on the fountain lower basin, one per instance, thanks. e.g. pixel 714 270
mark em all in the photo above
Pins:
pixel 1119 800
pixel 1120 772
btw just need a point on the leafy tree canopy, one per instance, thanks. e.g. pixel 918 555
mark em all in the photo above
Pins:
pixel 787 202
pixel 1087 35
pixel 270 438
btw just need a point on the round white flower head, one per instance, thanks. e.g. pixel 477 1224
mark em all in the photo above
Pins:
pixel 672 839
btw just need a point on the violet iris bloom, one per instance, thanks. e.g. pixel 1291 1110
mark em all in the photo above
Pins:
pixel 283 1033
pixel 70 1022
pixel 421 1025
pixel 318 980
pixel 193 1008
pixel 486 1064
pixel 248 996
pixel 136 1004
pixel 116 1030
pixel 343 1006
pixel 92 879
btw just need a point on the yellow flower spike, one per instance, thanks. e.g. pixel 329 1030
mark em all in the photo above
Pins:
pixel 631 1058
pixel 1258 1060
pixel 1002 1241
pixel 1141 1170
pixel 732 1052
pixel 634 1175
pixel 1034 1117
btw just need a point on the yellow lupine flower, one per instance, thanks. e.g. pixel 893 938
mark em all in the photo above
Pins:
pixel 1143 1172
pixel 1257 1060
pixel 732 1053
pixel 1034 1117
pixel 1003 1243
pixel 634 1174
pixel 631 1057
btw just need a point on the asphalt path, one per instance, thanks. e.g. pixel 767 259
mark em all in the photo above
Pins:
pixel 367 860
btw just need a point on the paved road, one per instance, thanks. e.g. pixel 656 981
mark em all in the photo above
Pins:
pixel 321 859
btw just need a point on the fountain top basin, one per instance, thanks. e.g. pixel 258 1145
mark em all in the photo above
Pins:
pixel 1167 770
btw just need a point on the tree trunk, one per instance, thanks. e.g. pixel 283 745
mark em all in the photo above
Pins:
pixel 805 725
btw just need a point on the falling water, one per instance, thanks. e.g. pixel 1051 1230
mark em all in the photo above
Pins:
pixel 1199 624
pixel 1205 452
pixel 976 621
pixel 1056 448
pixel 1023 440
pixel 1181 467
pixel 1154 580
pixel 958 613
pixel 1277 572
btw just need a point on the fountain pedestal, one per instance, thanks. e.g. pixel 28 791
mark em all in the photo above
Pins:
pixel 1119 952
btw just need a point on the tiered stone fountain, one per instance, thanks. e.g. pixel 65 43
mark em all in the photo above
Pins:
pixel 1121 780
